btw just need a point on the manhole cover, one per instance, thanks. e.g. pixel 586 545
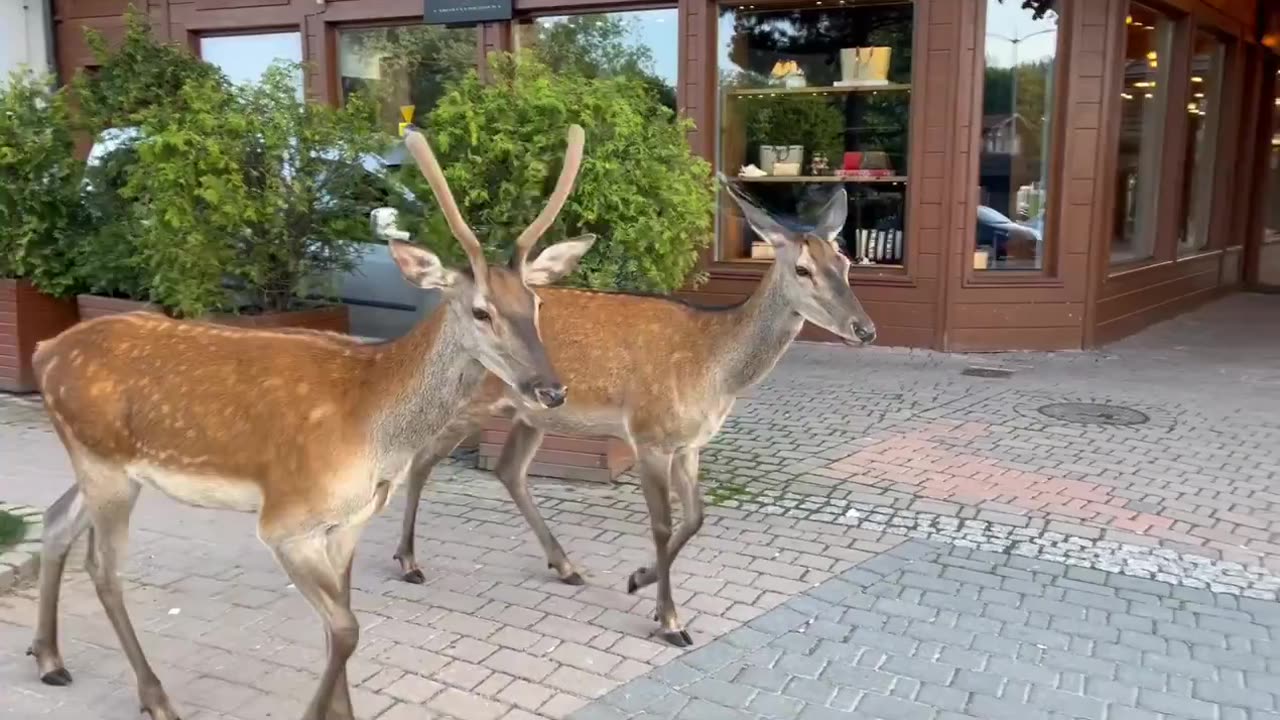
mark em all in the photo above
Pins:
pixel 1094 414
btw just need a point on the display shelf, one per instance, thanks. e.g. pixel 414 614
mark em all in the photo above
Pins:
pixel 802 179
pixel 817 90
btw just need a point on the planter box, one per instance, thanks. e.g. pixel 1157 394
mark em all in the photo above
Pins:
pixel 471 442
pixel 96 306
pixel 561 456
pixel 27 316
pixel 332 318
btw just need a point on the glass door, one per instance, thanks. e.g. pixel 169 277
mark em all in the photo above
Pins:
pixel 1269 254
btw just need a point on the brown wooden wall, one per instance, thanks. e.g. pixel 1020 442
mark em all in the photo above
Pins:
pixel 936 300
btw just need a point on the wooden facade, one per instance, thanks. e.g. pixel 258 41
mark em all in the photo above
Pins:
pixel 936 299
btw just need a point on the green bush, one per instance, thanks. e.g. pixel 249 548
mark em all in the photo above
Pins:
pixel 40 212
pixel 641 190
pixel 133 80
pixel 136 76
pixel 250 188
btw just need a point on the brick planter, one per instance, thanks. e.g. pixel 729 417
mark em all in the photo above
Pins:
pixel 27 316
pixel 96 306
pixel 333 318
pixel 561 456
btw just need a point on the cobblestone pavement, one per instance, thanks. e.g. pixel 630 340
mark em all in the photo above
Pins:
pixel 882 495
pixel 933 631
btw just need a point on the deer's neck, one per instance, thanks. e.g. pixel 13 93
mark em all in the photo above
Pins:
pixel 759 332
pixel 427 376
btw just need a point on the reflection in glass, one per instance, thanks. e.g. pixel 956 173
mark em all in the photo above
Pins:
pixel 1017 114
pixel 1202 130
pixel 1269 257
pixel 404 66
pixel 1148 38
pixel 811 99
pixel 243 58
pixel 643 44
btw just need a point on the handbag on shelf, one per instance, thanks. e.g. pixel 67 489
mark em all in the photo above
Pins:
pixel 772 155
pixel 864 66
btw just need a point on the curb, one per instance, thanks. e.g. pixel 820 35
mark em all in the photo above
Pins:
pixel 22 561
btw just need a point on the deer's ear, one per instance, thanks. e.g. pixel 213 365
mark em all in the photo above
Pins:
pixel 832 217
pixel 764 226
pixel 557 261
pixel 421 267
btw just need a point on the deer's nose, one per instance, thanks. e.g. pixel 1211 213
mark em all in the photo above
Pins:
pixel 865 334
pixel 551 396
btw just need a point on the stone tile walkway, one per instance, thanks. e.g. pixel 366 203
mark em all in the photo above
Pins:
pixel 929 631
pixel 861 491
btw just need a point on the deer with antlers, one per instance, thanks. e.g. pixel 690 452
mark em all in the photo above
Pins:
pixel 312 431
pixel 663 381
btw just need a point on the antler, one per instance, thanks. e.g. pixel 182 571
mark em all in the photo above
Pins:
pixel 564 186
pixel 420 149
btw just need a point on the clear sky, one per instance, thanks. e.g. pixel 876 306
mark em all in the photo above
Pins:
pixel 245 57
pixel 1008 20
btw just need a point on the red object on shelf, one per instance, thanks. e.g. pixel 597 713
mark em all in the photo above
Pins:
pixel 852 160
pixel 866 174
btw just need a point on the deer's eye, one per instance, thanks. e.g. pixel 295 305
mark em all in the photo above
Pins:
pixel 803 271
pixel 481 314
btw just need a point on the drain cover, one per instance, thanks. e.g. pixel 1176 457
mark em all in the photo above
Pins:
pixel 986 372
pixel 1094 414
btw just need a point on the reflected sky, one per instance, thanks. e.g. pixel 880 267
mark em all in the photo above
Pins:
pixel 1008 21
pixel 243 58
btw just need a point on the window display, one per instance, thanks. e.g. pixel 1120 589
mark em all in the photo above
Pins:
pixel 1201 142
pixel 404 67
pixel 814 96
pixel 1017 134
pixel 1148 39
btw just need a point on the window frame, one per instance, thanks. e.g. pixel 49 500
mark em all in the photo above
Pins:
pixel 902 275
pixel 1048 275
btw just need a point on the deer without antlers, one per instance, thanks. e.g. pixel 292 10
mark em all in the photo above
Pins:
pixel 662 376
pixel 311 430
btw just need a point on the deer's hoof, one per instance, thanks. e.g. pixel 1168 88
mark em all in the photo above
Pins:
pixel 415 577
pixel 56 678
pixel 573 578
pixel 633 581
pixel 676 638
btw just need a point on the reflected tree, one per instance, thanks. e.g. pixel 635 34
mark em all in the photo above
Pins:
pixel 602 45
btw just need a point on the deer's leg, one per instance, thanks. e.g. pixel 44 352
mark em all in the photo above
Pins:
pixel 513 471
pixel 419 472
pixel 111 497
pixel 655 481
pixel 64 521
pixel 684 478
pixel 319 566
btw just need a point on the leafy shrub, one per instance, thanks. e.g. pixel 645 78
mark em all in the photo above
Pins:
pixel 133 81
pixel 641 190
pixel 138 75
pixel 251 188
pixel 40 214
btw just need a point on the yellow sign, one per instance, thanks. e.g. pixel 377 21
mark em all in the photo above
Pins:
pixel 406 112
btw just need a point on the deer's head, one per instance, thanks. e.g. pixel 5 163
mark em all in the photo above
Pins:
pixel 496 307
pixel 812 272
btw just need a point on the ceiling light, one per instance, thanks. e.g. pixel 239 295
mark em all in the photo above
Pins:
pixel 1196 78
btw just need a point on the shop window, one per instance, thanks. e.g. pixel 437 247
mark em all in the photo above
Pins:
pixel 1017 134
pixel 644 44
pixel 1203 113
pixel 812 98
pixel 1148 43
pixel 243 58
pixel 1269 256
pixel 409 67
